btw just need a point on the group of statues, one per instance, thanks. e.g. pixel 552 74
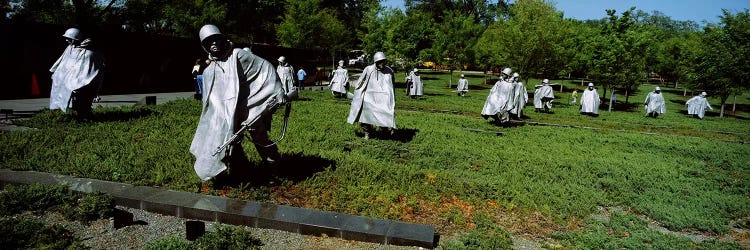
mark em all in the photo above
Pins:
pixel 241 91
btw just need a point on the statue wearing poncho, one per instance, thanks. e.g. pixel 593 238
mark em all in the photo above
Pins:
pixel 697 105
pixel 238 87
pixel 500 100
pixel 339 80
pixel 78 69
pixel 654 103
pixel 590 101
pixel 374 101
pixel 416 86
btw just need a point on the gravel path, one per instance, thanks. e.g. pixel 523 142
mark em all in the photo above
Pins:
pixel 150 226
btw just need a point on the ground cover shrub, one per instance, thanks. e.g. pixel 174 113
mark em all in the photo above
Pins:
pixel 225 237
pixel 683 174
pixel 38 197
pixel 485 235
pixel 627 231
pixel 29 234
pixel 169 243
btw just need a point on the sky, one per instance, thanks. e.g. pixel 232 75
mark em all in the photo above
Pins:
pixel 680 10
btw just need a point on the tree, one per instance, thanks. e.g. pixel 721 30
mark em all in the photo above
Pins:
pixel 4 9
pixel 529 41
pixel 307 25
pixel 454 42
pixel 86 14
pixel 254 21
pixel 619 55
pixel 174 17
pixel 722 67
pixel 579 46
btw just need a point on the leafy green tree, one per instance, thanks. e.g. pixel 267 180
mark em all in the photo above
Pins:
pixel 4 9
pixel 579 47
pixel 454 41
pixel 619 55
pixel 86 14
pixel 483 11
pixel 174 17
pixel 409 41
pixel 307 25
pixel 528 42
pixel 254 20
pixel 675 56
pixel 722 67
pixel 352 14
pixel 404 39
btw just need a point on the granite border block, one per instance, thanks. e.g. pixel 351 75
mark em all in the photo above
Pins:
pixel 319 223
pixel 365 229
pixel 281 217
pixel 236 212
pixel 410 234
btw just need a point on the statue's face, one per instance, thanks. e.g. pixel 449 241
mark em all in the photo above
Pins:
pixel 380 64
pixel 217 46
pixel 70 41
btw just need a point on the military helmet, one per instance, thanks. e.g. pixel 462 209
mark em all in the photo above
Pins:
pixel 282 59
pixel 545 81
pixel 378 56
pixel 209 30
pixel 506 71
pixel 73 33
pixel 516 74
pixel 591 84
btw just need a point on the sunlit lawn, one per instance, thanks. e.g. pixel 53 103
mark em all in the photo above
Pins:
pixel 446 166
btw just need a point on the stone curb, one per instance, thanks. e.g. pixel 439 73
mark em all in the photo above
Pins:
pixel 236 212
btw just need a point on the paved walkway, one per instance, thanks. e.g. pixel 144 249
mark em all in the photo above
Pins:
pixel 37 104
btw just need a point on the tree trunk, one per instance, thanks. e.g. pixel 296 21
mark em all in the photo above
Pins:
pixel 450 82
pixel 734 104
pixel 611 102
pixel 627 95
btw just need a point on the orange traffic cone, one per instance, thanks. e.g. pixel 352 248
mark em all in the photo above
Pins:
pixel 34 86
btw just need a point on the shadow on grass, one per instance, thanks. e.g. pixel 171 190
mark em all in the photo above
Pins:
pixel 293 167
pixel 121 116
pixel 478 87
pixel 681 102
pixel 400 135
pixel 716 114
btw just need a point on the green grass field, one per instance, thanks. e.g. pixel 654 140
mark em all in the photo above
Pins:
pixel 446 167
